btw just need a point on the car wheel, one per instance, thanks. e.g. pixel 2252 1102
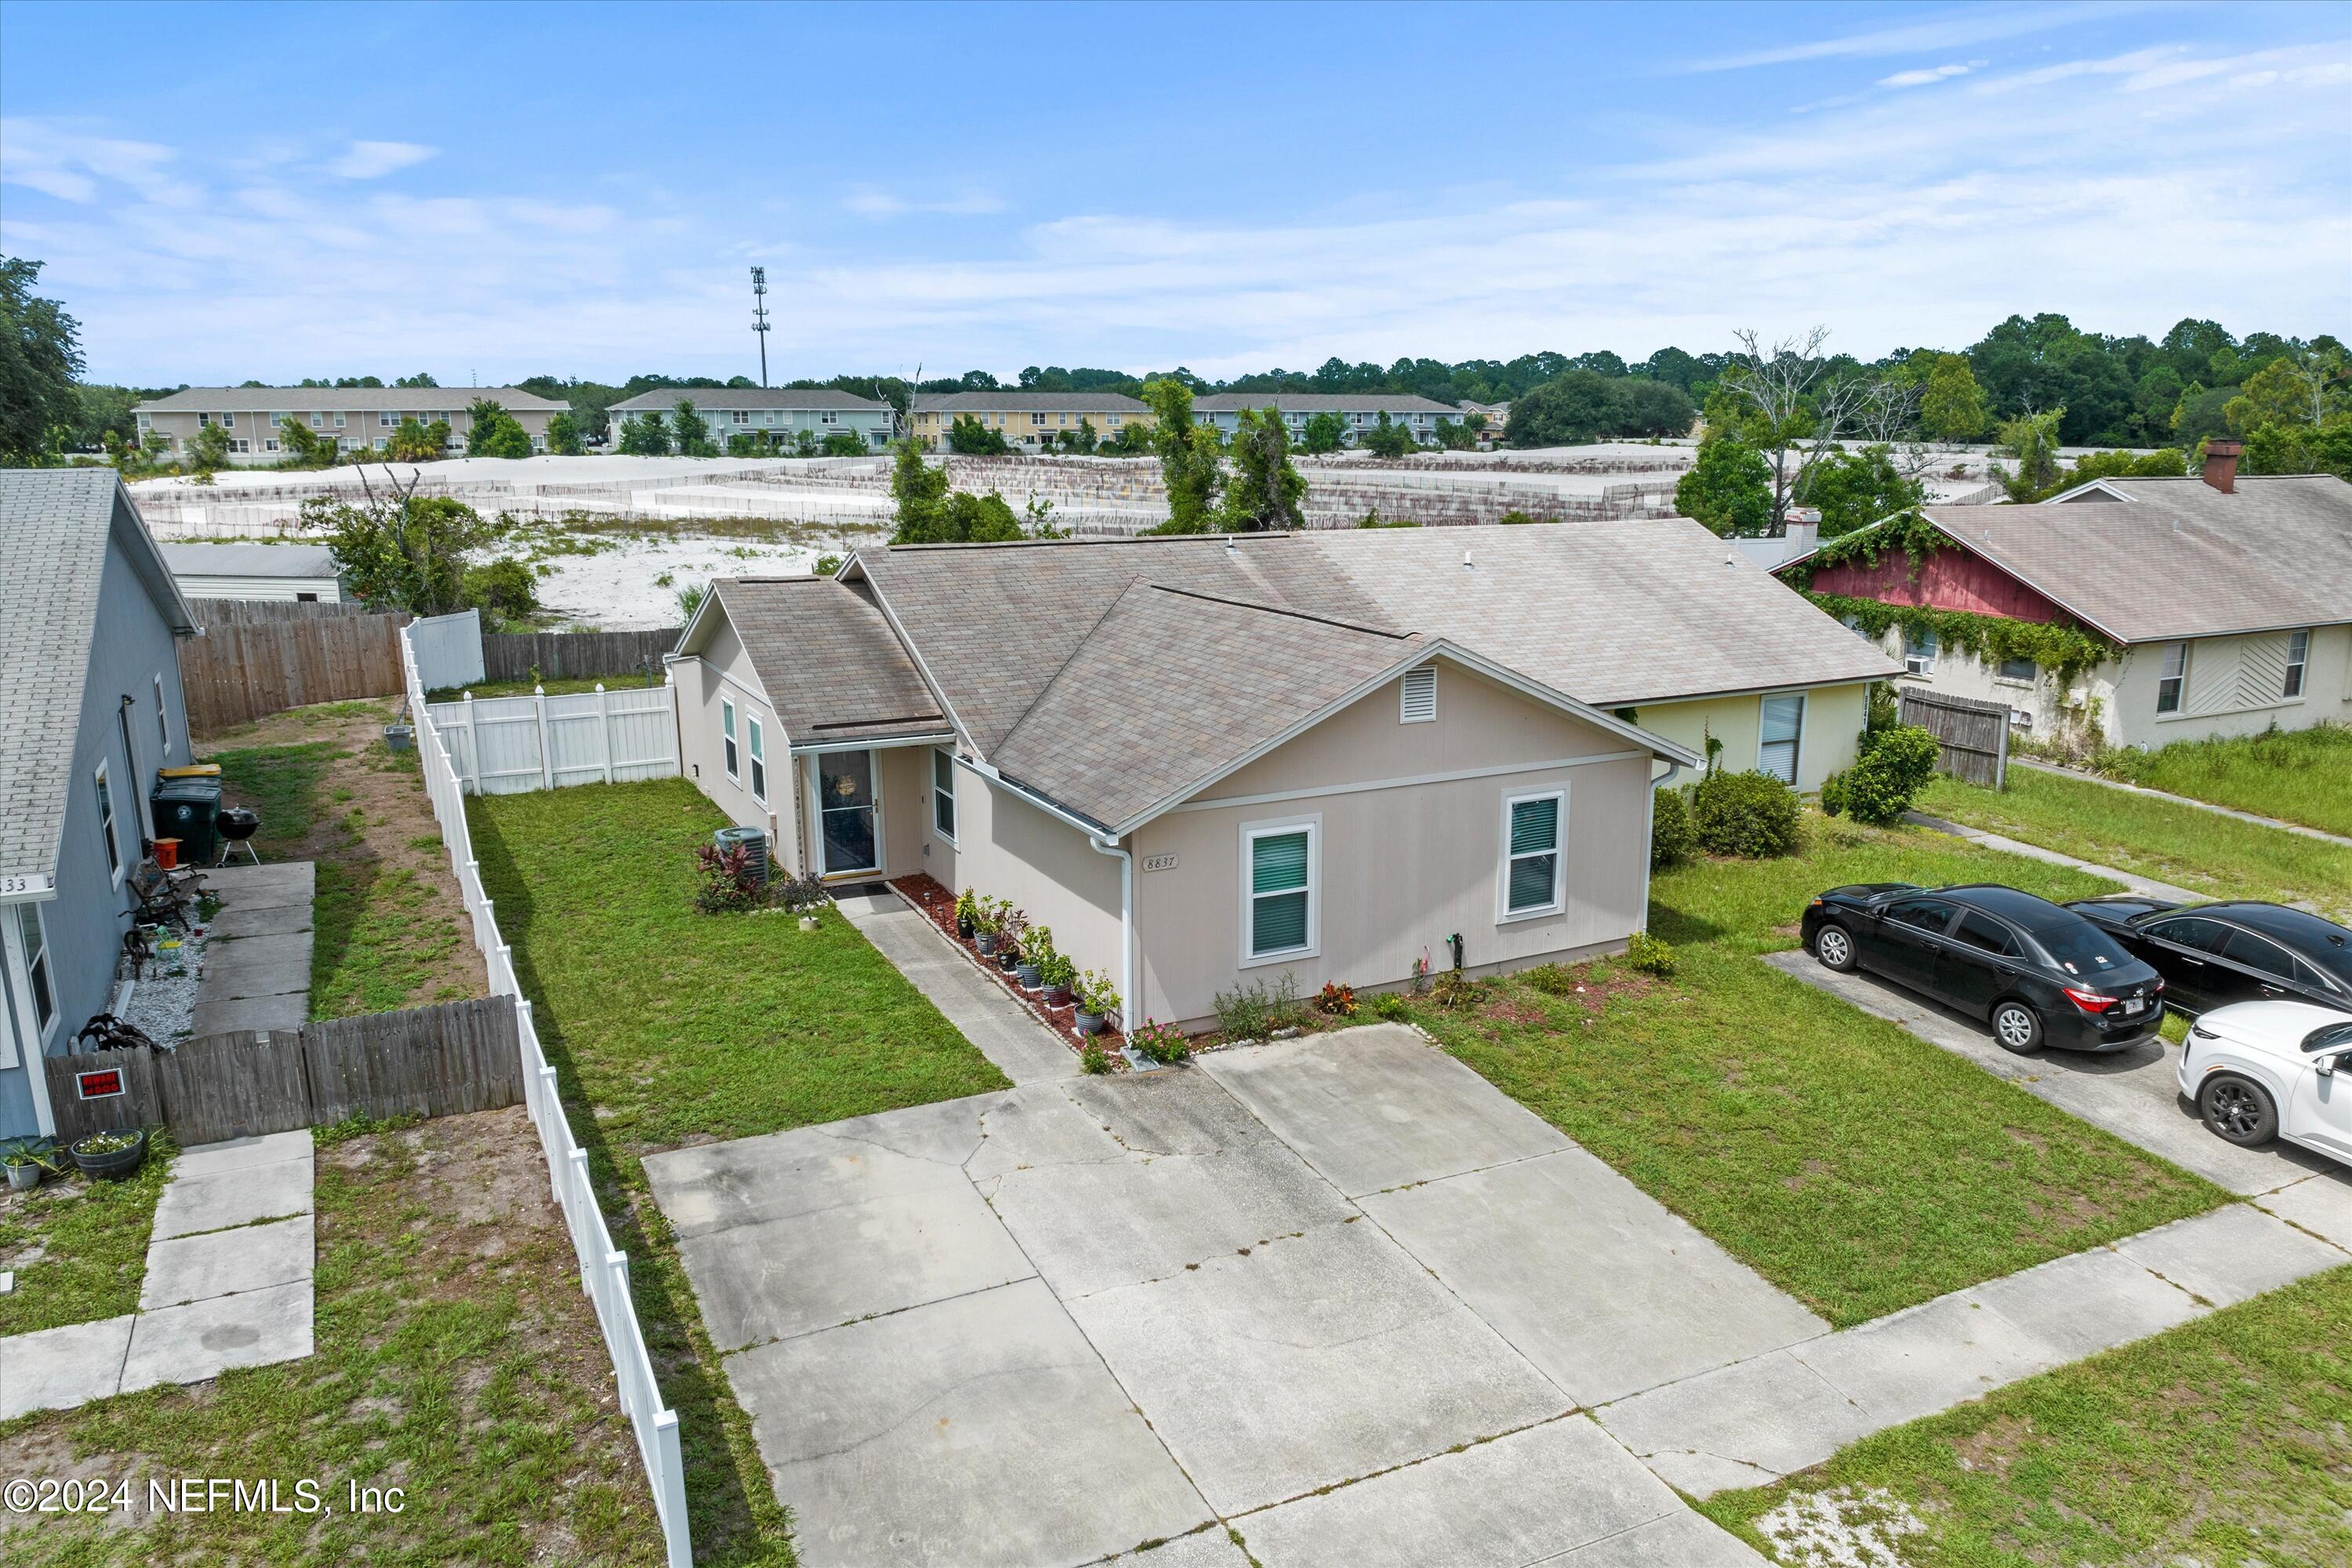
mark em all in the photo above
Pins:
pixel 2238 1109
pixel 1833 945
pixel 2017 1027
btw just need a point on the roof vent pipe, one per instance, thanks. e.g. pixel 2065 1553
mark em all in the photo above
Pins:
pixel 1469 564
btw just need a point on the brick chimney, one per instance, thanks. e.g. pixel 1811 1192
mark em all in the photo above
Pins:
pixel 2222 465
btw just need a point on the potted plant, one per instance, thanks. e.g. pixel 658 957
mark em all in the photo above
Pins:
pixel 115 1152
pixel 28 1160
pixel 1011 928
pixel 1096 1001
pixel 987 915
pixel 1056 972
pixel 967 911
pixel 1037 947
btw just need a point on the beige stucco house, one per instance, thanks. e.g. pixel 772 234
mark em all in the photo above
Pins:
pixel 1210 760
pixel 355 418
pixel 1029 420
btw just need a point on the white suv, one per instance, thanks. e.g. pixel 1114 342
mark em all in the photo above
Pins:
pixel 2260 1070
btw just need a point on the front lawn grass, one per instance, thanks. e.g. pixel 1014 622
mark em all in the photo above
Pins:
pixel 2201 851
pixel 2223 1441
pixel 1854 1165
pixel 667 1026
pixel 2295 775
pixel 78 1246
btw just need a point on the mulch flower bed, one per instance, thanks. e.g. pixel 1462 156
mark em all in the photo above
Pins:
pixel 924 891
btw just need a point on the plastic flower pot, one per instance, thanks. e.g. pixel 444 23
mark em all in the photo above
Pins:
pixel 964 929
pixel 24 1178
pixel 400 737
pixel 1008 959
pixel 1027 972
pixel 1089 1023
pixel 987 944
pixel 808 922
pixel 112 1164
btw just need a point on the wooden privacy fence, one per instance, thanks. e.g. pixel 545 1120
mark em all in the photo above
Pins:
pixel 574 656
pixel 235 673
pixel 427 1061
pixel 245 612
pixel 1971 737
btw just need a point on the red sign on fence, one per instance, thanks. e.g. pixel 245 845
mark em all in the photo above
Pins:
pixel 99 1085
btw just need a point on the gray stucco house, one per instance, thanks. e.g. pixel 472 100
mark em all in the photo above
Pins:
pixel 90 708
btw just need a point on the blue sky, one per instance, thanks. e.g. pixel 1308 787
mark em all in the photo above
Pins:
pixel 231 192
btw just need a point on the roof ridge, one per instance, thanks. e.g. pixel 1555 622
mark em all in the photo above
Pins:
pixel 1283 610
pixel 1060 670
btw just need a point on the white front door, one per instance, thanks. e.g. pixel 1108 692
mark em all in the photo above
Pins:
pixel 849 813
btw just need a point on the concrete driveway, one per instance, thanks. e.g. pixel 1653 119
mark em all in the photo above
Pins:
pixel 1339 1294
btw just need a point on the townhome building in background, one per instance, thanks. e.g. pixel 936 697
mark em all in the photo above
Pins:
pixel 780 411
pixel 1359 411
pixel 356 419
pixel 1030 420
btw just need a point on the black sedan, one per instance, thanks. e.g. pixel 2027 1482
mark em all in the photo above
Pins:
pixel 2037 972
pixel 2213 955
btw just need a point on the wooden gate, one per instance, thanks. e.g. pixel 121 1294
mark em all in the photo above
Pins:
pixel 1971 737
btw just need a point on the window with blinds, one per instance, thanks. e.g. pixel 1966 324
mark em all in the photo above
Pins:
pixel 1531 858
pixel 1281 915
pixel 1782 728
pixel 1420 698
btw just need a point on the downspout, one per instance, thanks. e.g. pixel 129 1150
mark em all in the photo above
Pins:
pixel 1649 832
pixel 1100 846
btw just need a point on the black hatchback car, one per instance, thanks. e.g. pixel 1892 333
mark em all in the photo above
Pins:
pixel 2037 972
pixel 2213 955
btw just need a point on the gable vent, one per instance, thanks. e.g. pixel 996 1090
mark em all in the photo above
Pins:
pixel 1419 695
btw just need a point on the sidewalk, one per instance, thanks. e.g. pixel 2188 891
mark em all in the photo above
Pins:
pixel 223 1289
pixel 258 958
pixel 1003 1031
pixel 2130 879
pixel 2184 800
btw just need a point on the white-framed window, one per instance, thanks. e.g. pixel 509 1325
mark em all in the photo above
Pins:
pixel 203 419
pixel 727 735
pixel 36 968
pixel 759 762
pixel 106 829
pixel 382 442
pixel 1417 696
pixel 1919 647
pixel 2021 670
pixel 738 416
pixel 228 421
pixel 2171 677
pixel 1115 420
pixel 828 416
pixel 943 794
pixel 1281 881
pixel 1781 729
pixel 1535 875
pixel 269 444
pixel 384 418
pixel 318 420
pixel 2298 655
pixel 339 420
pixel 240 445
pixel 163 719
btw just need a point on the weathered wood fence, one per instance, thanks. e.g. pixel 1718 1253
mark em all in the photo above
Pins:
pixel 574 656
pixel 246 611
pixel 427 1061
pixel 1971 737
pixel 238 672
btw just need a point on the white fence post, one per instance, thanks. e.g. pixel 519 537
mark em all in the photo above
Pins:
pixel 546 756
pixel 473 748
pixel 604 728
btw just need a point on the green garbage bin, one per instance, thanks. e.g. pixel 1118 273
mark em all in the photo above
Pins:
pixel 188 809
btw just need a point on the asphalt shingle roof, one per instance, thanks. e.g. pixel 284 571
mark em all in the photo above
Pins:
pixel 662 399
pixel 348 399
pixel 832 666
pixel 54 527
pixel 1022 402
pixel 1322 402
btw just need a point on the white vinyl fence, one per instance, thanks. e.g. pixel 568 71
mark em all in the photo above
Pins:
pixel 508 745
pixel 603 1269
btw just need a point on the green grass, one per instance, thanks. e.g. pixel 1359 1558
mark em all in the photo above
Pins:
pixel 1854 1165
pixel 2223 1441
pixel 282 783
pixel 454 1358
pixel 666 1024
pixel 2295 775
pixel 2199 850
pixel 92 1237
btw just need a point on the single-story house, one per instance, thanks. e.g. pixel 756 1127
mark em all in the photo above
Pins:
pixel 2221 603
pixel 1205 760
pixel 777 411
pixel 1359 412
pixel 299 573
pixel 90 708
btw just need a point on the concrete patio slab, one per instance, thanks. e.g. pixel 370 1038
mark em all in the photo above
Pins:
pixel 226 1198
pixel 1682 1540
pixel 751 1181
pixel 58 1369
pixel 244 922
pixel 224 1262
pixel 204 1339
pixel 260 887
pixel 228 1016
pixel 2320 1204
pixel 1005 1032
pixel 2132 1094
pixel 1378 1107
pixel 259 967
pixel 243 1153
pixel 983 1431
pixel 1523 1499
pixel 818 1270
pixel 1739 1426
pixel 2232 1254
pixel 1309 1362
pixel 1560 1253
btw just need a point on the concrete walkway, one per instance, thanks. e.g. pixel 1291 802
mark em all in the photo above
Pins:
pixel 2131 880
pixel 2283 827
pixel 1005 1032
pixel 228 1284
pixel 257 959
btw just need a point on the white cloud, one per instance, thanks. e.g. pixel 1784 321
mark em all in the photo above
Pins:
pixel 374 160
pixel 1945 30
pixel 1924 76
pixel 867 201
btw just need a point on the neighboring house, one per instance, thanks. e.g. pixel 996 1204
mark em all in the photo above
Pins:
pixel 356 419
pixel 297 571
pixel 1205 760
pixel 90 708
pixel 2225 603
pixel 1027 420
pixel 1359 412
pixel 779 411
pixel 1499 418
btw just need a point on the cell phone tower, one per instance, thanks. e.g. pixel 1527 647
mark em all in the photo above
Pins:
pixel 760 317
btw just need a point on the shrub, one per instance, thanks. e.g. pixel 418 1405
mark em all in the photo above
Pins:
pixel 1253 1011
pixel 1094 1059
pixel 1390 1006
pixel 1752 815
pixel 1552 979
pixel 1895 765
pixel 1161 1043
pixel 1671 839
pixel 1455 989
pixel 1649 955
pixel 502 587
pixel 1336 999
pixel 730 880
